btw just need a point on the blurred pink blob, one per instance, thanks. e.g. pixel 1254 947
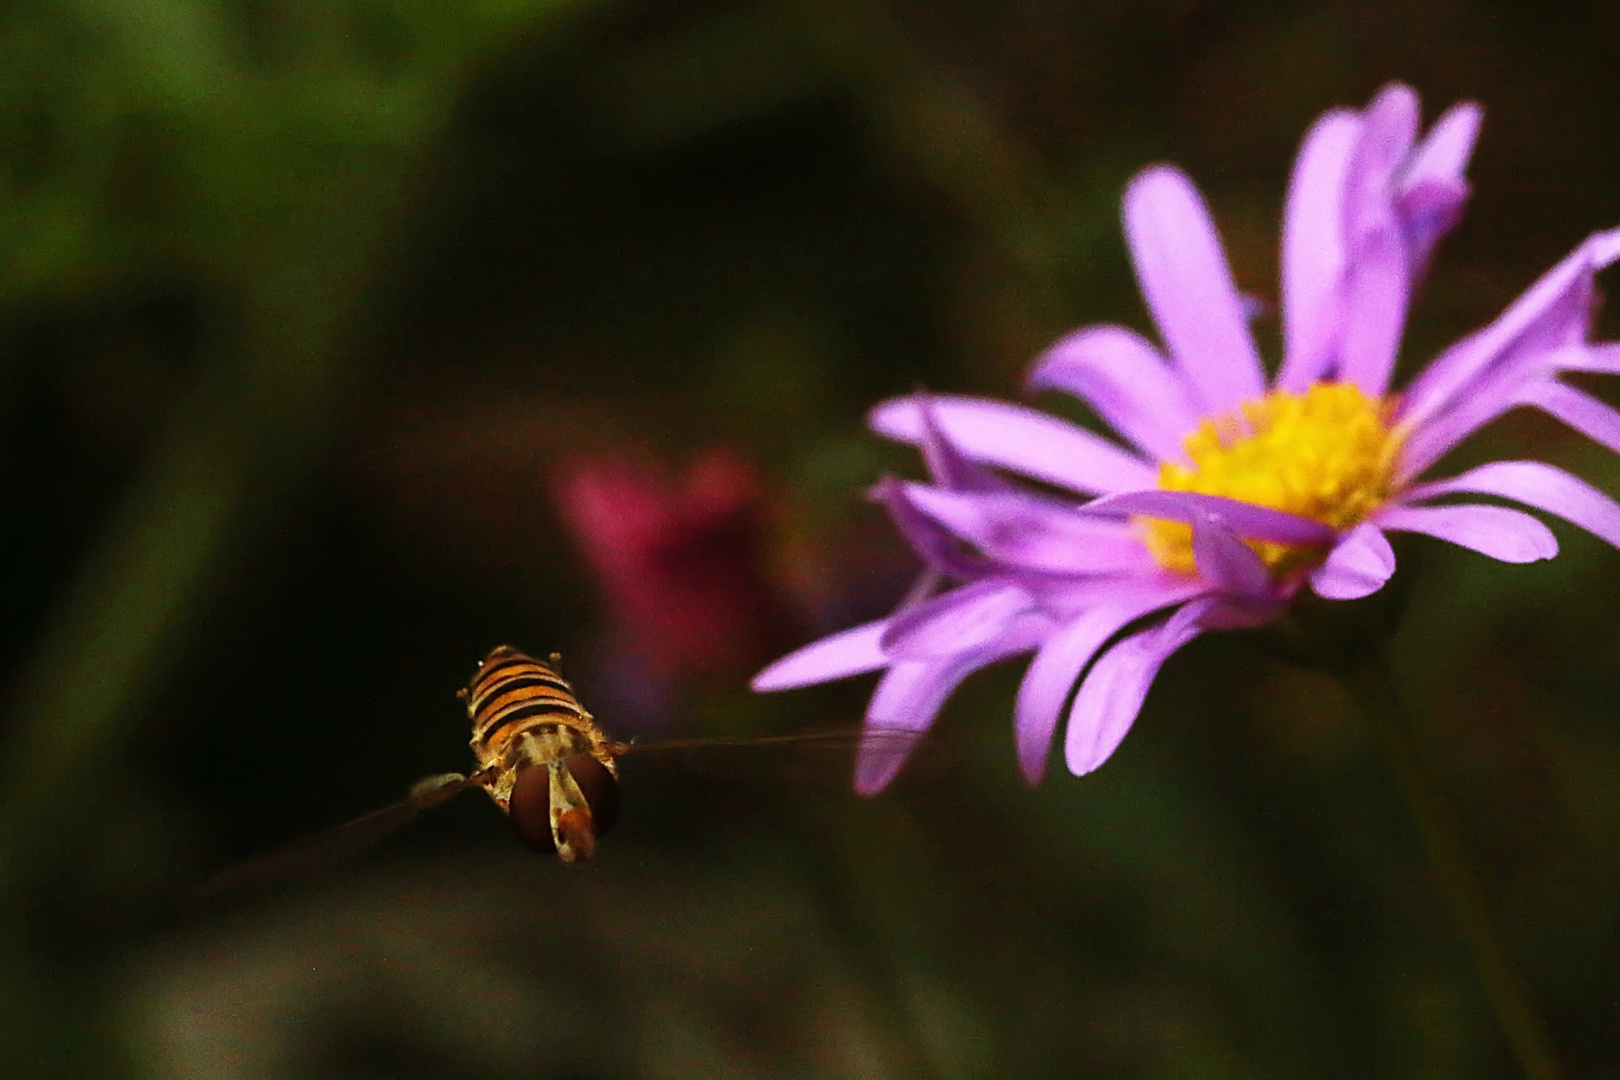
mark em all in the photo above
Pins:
pixel 680 560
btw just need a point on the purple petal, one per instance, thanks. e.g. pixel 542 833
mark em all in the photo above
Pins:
pixel 1013 437
pixel 954 622
pixel 1058 664
pixel 1427 211
pixel 946 464
pixel 1580 410
pixel 1313 256
pixel 1121 375
pixel 1496 531
pixel 1112 695
pixel 848 652
pixel 940 549
pixel 1529 383
pixel 1435 185
pixel 1444 153
pixel 1536 484
pixel 1552 314
pixel 1244 519
pixel 1378 285
pixel 1357 567
pixel 1226 561
pixel 1507 387
pixel 1389 128
pixel 1603 359
pixel 1184 278
pixel 1020 529
pixel 1392 124
pixel 911 693
pixel 1375 306
pixel 1068 598
pixel 1430 441
pixel 909 697
pixel 882 753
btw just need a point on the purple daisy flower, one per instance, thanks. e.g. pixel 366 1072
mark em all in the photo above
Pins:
pixel 1230 495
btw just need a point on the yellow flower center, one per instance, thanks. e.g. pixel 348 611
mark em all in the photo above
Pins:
pixel 1328 454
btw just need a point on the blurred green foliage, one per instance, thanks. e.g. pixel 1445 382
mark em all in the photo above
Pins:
pixel 304 303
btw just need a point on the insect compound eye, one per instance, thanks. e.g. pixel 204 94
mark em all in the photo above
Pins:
pixel 530 809
pixel 600 788
pixel 530 804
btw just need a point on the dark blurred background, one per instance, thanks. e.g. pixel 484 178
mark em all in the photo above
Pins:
pixel 345 341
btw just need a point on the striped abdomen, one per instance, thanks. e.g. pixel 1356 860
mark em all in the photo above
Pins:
pixel 541 757
pixel 513 693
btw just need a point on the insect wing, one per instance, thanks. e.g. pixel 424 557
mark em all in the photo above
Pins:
pixel 311 856
pixel 828 757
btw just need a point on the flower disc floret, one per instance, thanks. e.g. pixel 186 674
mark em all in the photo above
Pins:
pixel 1328 454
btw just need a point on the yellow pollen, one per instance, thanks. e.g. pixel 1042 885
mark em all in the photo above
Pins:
pixel 1328 454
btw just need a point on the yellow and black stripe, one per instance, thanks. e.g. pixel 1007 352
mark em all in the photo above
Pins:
pixel 513 693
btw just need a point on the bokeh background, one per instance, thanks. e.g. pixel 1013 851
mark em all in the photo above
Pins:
pixel 342 342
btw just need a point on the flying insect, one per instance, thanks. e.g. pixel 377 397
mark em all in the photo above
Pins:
pixel 540 756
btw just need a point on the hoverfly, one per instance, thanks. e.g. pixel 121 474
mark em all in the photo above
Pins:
pixel 542 759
